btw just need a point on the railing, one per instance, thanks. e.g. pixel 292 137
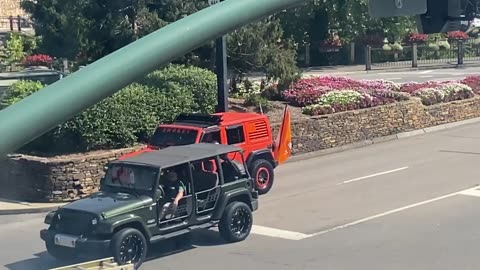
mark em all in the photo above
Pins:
pixel 459 52
pixel 16 23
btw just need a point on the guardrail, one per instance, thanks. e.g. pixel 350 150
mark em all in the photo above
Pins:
pixel 458 52
pixel 17 23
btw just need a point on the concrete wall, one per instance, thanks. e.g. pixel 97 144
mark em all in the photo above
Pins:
pixel 11 8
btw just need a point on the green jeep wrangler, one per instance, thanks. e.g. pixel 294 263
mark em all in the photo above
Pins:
pixel 136 205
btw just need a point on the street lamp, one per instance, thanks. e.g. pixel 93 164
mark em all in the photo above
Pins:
pixel 221 68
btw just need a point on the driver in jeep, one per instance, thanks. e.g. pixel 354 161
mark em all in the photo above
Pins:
pixel 174 191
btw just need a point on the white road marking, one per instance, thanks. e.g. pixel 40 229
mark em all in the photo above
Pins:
pixel 427 76
pixel 372 175
pixel 426 71
pixel 276 233
pixel 471 192
pixel 289 235
pixel 466 191
pixel 393 79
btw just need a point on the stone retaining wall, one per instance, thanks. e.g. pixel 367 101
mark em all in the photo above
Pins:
pixel 71 177
pixel 339 129
pixel 58 179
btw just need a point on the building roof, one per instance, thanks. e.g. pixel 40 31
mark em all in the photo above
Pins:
pixel 176 155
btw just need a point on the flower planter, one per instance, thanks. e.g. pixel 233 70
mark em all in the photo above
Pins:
pixel 324 50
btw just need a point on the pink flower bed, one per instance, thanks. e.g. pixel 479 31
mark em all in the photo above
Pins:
pixel 308 91
pixel 330 94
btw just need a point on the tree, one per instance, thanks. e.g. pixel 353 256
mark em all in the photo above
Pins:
pixel 261 46
pixel 86 30
pixel 317 20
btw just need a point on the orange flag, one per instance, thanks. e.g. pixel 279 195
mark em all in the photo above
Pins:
pixel 284 139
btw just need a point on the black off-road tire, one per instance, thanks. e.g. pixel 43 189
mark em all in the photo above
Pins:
pixel 236 222
pixel 263 175
pixel 132 242
pixel 61 253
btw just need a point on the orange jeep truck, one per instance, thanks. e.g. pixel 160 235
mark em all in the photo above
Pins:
pixel 250 131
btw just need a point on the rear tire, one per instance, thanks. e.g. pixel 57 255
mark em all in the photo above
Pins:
pixel 263 175
pixel 129 246
pixel 236 222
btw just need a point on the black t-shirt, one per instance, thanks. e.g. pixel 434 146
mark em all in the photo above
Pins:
pixel 172 189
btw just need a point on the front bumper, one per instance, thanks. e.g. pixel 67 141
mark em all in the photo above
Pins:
pixel 84 246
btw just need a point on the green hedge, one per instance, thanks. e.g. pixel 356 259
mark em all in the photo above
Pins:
pixel 127 117
pixel 201 82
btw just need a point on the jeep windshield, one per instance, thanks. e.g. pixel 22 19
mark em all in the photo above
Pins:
pixel 127 177
pixel 170 136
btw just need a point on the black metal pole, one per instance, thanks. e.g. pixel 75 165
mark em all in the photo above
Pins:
pixel 221 68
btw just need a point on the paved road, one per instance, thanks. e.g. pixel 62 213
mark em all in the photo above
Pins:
pixel 393 75
pixel 406 204
pixel 420 75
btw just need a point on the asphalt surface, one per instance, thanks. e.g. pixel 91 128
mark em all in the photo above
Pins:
pixel 404 204
pixel 419 75
pixel 398 76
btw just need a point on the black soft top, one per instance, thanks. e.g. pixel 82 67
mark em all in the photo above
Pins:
pixel 175 155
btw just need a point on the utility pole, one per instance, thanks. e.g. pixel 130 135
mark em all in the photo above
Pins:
pixel 221 68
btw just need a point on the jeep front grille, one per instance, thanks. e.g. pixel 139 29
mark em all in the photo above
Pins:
pixel 74 222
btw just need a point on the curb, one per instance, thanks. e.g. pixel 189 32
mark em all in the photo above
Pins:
pixel 361 144
pixel 37 210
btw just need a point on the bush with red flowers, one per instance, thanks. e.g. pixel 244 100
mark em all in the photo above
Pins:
pixel 417 38
pixel 457 35
pixel 473 82
pixel 38 60
pixel 333 42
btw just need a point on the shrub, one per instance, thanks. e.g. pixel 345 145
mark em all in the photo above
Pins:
pixel 457 35
pixel 259 102
pixel 200 82
pixel 430 96
pixel 121 120
pixel 417 38
pixel 413 87
pixel 247 87
pixel 473 82
pixel 20 90
pixel 317 109
pixel 445 93
pixel 38 60
pixel 304 97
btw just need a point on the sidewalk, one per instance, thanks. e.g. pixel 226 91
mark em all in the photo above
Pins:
pixel 10 207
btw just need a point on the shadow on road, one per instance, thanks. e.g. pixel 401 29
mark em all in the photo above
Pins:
pixel 40 261
pixel 43 261
pixel 171 247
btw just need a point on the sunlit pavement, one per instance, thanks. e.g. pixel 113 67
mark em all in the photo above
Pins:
pixel 405 204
